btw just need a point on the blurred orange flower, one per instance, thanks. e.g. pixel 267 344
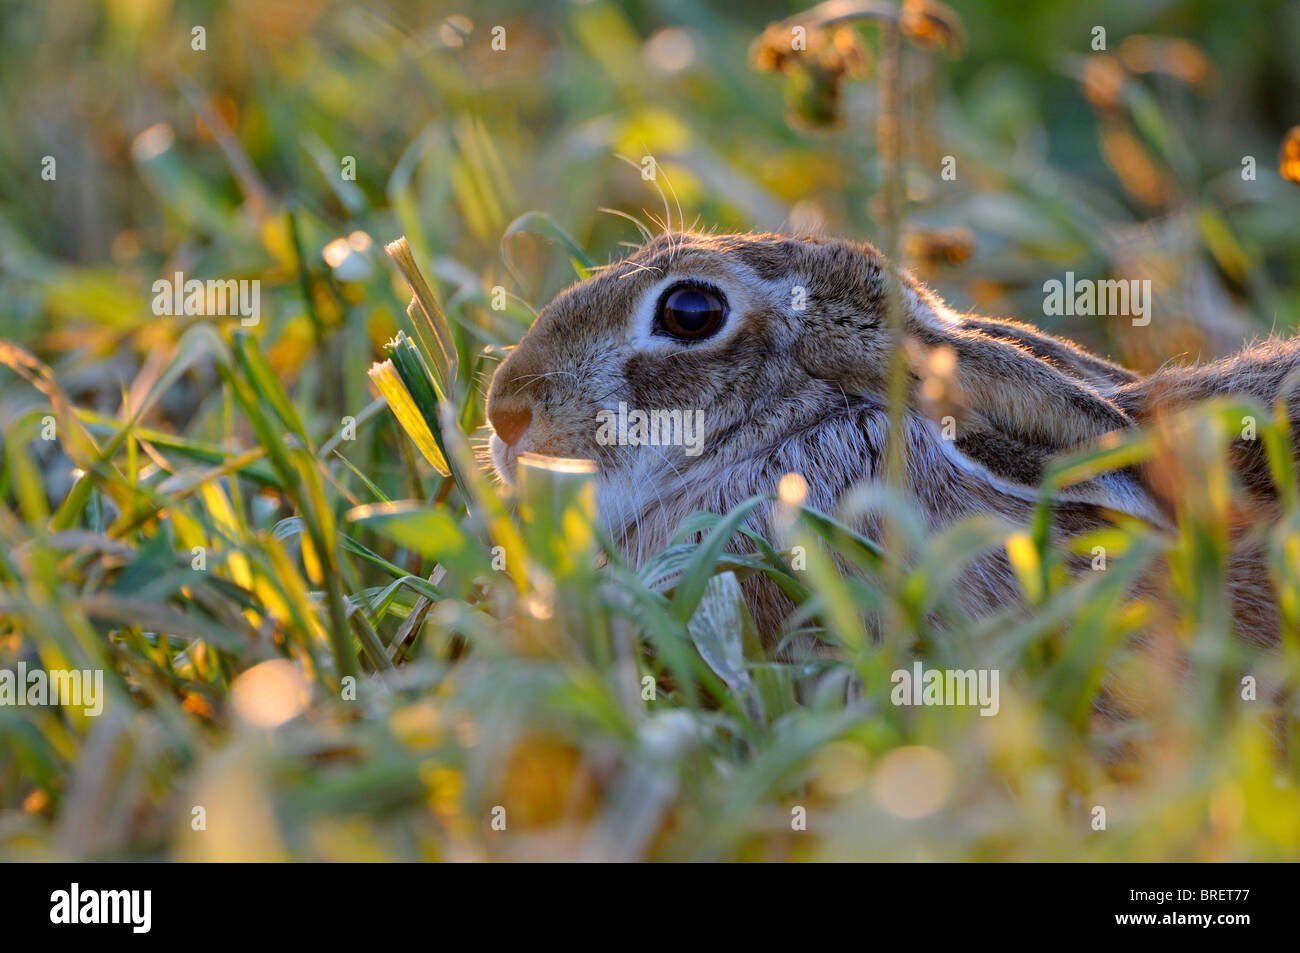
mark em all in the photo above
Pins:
pixel 1167 54
pixel 1103 81
pixel 1289 165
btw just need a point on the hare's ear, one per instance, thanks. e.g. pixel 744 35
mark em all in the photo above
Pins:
pixel 1064 354
pixel 1007 387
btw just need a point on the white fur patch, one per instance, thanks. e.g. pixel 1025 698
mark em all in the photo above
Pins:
pixel 1112 490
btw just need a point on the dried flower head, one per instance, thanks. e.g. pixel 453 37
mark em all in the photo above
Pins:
pixel 931 25
pixel 814 67
pixel 952 245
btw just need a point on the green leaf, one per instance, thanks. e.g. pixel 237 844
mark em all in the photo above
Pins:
pixel 266 384
pixel 696 576
pixel 542 225
pixel 718 630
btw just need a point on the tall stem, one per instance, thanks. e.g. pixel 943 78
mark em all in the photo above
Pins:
pixel 890 146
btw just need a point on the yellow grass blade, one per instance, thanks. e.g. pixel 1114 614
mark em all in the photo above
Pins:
pixel 408 415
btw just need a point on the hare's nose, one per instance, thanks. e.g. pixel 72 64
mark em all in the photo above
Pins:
pixel 510 423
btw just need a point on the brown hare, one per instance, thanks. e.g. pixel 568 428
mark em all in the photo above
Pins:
pixel 778 348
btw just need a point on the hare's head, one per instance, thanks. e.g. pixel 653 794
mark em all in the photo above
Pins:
pixel 702 367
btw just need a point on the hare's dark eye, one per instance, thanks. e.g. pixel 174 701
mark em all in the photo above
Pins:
pixel 690 312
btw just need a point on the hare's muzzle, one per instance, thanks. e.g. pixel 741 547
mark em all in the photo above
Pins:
pixel 510 422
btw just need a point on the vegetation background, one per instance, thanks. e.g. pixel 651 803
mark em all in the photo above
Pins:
pixel 206 528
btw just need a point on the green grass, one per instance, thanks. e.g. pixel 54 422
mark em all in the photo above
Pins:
pixel 218 501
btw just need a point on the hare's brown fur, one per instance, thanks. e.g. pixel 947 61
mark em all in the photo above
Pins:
pixel 787 390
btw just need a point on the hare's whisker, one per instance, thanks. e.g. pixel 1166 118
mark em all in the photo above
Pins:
pixel 646 233
pixel 653 181
pixel 636 268
pixel 681 219
pixel 528 380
